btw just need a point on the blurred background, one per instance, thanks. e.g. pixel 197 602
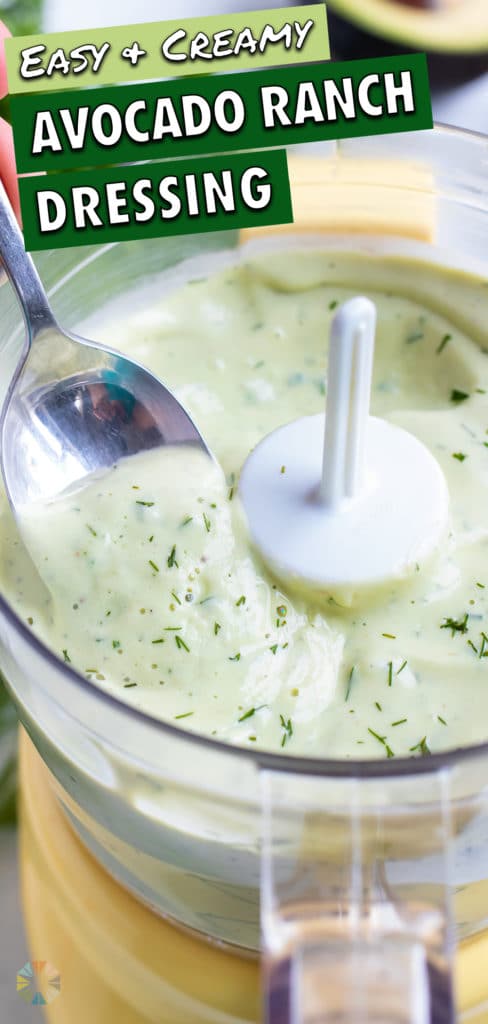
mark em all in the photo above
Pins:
pixel 453 33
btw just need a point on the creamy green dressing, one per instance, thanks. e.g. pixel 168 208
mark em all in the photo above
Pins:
pixel 156 594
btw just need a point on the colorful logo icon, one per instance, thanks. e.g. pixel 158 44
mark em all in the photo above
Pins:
pixel 38 983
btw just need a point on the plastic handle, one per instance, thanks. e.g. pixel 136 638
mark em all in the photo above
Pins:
pixel 348 398
pixel 353 929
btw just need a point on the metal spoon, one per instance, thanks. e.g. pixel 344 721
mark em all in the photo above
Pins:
pixel 73 407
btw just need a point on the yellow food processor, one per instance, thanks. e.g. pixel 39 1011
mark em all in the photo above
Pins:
pixel 171 878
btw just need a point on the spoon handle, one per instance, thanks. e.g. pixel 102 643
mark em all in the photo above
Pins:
pixel 22 273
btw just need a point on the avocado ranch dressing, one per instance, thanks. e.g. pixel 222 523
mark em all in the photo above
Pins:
pixel 156 594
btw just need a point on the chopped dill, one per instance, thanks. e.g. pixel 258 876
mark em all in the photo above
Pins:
pixel 251 712
pixel 382 740
pixel 153 565
pixel 456 625
pixel 172 558
pixel 422 747
pixel 287 726
pixel 180 643
pixel 458 396
pixel 484 641
pixel 446 339
pixel 349 683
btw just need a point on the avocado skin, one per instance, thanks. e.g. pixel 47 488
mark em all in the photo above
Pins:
pixel 350 42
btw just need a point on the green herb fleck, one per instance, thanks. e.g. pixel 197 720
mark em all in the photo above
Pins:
pixel 441 720
pixel 172 558
pixel 400 721
pixel 128 686
pixel 389 636
pixel 349 683
pixel 160 640
pixel 235 657
pixel 66 656
pixel 274 648
pixel 186 520
pixel 180 643
pixel 92 531
pixel 458 396
pixel 251 712
pixel 242 600
pixel 146 504
pixel 446 339
pixel 422 747
pixel 153 565
pixel 207 522
pixel 390 673
pixel 484 640
pixel 186 715
pixel 415 336
pixel 287 725
pixel 334 304
pixel 217 628
pixel 460 456
pixel 175 596
pixel 115 644
pixel 402 666
pixel 456 625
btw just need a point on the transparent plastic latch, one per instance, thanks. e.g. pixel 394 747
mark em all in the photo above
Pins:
pixel 355 899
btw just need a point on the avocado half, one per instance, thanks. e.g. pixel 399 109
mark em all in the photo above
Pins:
pixel 461 26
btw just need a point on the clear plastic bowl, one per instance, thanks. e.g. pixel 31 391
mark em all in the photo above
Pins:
pixel 208 834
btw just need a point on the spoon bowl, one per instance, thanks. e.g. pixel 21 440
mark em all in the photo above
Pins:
pixel 74 408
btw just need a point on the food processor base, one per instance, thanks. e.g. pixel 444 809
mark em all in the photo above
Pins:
pixel 118 960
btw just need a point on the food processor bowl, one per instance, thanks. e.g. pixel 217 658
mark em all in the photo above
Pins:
pixel 361 874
